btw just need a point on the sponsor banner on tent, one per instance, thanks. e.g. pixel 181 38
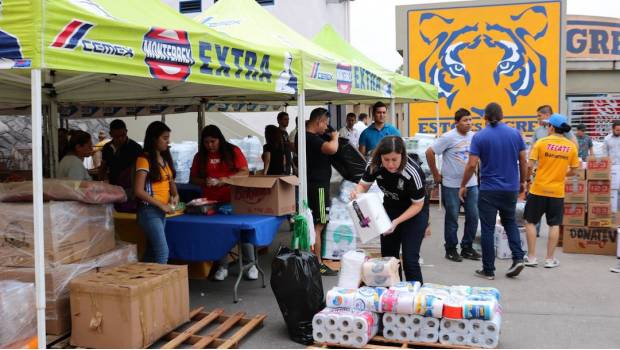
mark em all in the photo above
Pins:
pixel 481 53
pixel 140 38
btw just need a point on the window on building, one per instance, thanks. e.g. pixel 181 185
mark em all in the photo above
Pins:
pixel 190 6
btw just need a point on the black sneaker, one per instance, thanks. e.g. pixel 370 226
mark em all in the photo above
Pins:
pixel 486 275
pixel 515 269
pixel 470 253
pixel 453 255
pixel 326 271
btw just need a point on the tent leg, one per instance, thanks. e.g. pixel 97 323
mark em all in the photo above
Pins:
pixel 37 201
pixel 301 150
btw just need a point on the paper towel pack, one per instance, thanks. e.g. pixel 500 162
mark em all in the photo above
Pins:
pixel 369 217
pixel 350 275
pixel 381 272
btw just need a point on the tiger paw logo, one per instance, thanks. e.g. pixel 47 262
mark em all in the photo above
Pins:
pixel 492 53
pixel 168 54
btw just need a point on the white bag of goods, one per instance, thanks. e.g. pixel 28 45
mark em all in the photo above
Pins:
pixel 369 217
pixel 381 272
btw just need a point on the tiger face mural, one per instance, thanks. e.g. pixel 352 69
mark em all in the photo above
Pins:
pixel 507 54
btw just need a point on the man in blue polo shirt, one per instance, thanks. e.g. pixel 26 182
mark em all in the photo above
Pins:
pixel 503 175
pixel 369 139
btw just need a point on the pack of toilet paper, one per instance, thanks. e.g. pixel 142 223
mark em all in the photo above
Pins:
pixel 344 327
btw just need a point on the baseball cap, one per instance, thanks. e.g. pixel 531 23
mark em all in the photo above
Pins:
pixel 558 120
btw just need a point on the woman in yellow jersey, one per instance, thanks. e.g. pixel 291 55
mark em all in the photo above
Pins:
pixel 154 187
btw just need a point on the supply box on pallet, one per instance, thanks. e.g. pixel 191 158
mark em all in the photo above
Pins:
pixel 574 214
pixel 263 195
pixel 580 174
pixel 576 191
pixel 599 191
pixel 129 306
pixel 73 232
pixel 599 168
pixel 600 215
pixel 590 240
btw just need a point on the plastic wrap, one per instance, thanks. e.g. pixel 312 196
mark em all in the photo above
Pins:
pixel 252 149
pixel 183 156
pixel 338 236
pixel 19 313
pixel 92 192
pixel 57 280
pixel 73 231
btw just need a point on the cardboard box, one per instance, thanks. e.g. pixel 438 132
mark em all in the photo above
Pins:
pixel 575 191
pixel 73 232
pixel 263 195
pixel 599 191
pixel 617 219
pixel 580 174
pixel 574 214
pixel 600 215
pixel 599 168
pixel 590 240
pixel 129 306
pixel 57 278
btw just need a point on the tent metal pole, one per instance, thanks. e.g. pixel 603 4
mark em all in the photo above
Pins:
pixel 37 202
pixel 301 150
pixel 201 118
pixel 393 112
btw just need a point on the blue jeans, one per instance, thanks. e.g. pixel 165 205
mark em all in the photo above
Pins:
pixel 153 221
pixel 489 203
pixel 452 204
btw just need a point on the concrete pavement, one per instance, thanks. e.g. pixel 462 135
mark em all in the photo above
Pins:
pixel 576 305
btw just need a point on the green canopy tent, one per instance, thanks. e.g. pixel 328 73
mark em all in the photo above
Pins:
pixel 327 77
pixel 116 52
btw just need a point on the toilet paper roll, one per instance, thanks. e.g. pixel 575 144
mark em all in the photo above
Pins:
pixel 417 321
pixel 436 289
pixel 368 299
pixel 487 291
pixel 351 269
pixel 492 326
pixel 430 324
pixel 446 337
pixel 453 306
pixel 460 339
pixel 389 319
pixel 412 287
pixel 405 303
pixel 365 322
pixel 403 321
pixel 428 305
pixel 346 339
pixel 389 301
pixel 319 335
pixel 381 272
pixel 318 321
pixel 460 290
pixel 428 336
pixel 334 337
pixel 476 327
pixel 474 340
pixel 390 332
pixel 341 298
pixel 345 323
pixel 490 341
pixel 331 323
pixel 359 340
pixel 405 334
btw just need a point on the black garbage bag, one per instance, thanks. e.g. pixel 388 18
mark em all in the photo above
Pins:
pixel 296 283
pixel 348 161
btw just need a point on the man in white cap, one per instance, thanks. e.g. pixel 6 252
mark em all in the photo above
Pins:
pixel 555 155
pixel 612 150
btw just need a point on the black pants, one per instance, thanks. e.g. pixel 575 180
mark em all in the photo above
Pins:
pixel 409 234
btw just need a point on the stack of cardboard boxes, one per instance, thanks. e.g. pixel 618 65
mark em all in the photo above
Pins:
pixel 78 238
pixel 589 226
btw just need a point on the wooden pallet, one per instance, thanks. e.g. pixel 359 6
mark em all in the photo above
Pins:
pixel 379 342
pixel 200 320
pixel 58 341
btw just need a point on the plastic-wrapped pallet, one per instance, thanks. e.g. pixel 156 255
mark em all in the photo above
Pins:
pixel 57 278
pixel 18 324
pixel 338 236
pixel 252 149
pixel 91 192
pixel 183 156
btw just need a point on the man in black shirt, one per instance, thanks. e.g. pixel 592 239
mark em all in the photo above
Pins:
pixel 119 157
pixel 319 174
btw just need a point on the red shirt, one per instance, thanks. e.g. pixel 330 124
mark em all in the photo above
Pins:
pixel 215 167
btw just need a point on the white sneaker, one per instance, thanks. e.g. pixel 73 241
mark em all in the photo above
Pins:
pixel 530 263
pixel 221 274
pixel 615 269
pixel 252 273
pixel 551 263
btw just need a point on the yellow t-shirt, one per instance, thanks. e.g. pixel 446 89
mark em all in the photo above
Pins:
pixel 160 190
pixel 555 154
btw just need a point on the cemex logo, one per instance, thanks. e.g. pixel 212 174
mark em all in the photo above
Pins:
pixel 317 74
pixel 73 35
pixel 168 54
pixel 344 78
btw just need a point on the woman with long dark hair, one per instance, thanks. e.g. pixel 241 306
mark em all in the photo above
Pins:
pixel 403 183
pixel 71 166
pixel 155 188
pixel 275 157
pixel 216 161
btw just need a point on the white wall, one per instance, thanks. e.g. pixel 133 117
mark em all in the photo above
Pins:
pixel 305 16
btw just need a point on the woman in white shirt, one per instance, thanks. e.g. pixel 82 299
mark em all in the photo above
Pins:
pixel 71 165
